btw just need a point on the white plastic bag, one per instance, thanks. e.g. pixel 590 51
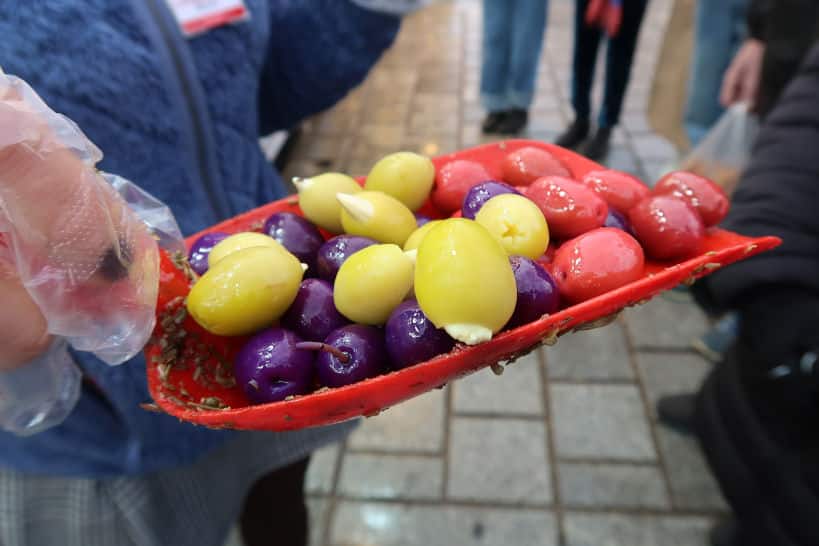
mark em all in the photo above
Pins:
pixel 724 152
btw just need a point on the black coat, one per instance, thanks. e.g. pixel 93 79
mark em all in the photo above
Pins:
pixel 778 194
pixel 758 412
pixel 788 28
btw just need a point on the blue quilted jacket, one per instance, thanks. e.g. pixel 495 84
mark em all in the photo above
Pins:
pixel 181 118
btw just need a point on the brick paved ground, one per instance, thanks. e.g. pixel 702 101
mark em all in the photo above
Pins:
pixel 563 448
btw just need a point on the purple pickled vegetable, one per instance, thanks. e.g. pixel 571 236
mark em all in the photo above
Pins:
pixel 480 194
pixel 270 367
pixel 335 252
pixel 422 219
pixel 619 221
pixel 537 292
pixel 313 315
pixel 297 235
pixel 200 250
pixel 412 338
pixel 349 354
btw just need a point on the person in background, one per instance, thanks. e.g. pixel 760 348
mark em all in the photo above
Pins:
pixel 177 100
pixel 755 415
pixel 779 34
pixel 512 40
pixel 719 32
pixel 621 20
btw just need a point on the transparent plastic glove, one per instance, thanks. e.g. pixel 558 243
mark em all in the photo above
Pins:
pixel 40 394
pixel 86 260
pixel 78 260
pixel 155 214
pixel 81 254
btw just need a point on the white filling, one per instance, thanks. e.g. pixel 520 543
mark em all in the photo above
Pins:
pixel 471 334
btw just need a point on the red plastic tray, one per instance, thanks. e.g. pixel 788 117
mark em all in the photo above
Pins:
pixel 200 390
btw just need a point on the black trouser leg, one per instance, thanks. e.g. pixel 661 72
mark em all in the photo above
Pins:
pixel 619 59
pixel 275 513
pixel 586 43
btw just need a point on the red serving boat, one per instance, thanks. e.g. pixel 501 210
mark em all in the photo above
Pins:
pixel 189 370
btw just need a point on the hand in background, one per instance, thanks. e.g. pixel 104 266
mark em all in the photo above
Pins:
pixel 741 80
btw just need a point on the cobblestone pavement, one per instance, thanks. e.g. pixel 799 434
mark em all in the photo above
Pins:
pixel 563 448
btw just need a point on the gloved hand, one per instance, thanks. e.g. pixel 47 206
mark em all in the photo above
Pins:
pixel 76 264
pixel 607 14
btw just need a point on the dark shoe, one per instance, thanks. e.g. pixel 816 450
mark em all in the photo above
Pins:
pixel 492 120
pixel 676 411
pixel 574 135
pixel 597 147
pixel 513 122
pixel 724 533
pixel 715 342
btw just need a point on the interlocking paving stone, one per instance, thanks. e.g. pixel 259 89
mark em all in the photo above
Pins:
pixel 517 391
pixel 666 323
pixel 416 425
pixel 499 460
pixel 607 485
pixel 358 524
pixel 391 477
pixel 670 373
pixel 600 421
pixel 592 354
pixel 692 485
pixel 322 468
pixel 622 530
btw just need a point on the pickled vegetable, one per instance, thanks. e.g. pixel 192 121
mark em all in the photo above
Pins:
pixel 597 262
pixel 245 291
pixel 480 194
pixel 376 215
pixel 411 337
pixel 297 235
pixel 404 175
pixel 414 240
pixel 350 354
pixel 537 291
pixel 270 367
pixel 454 180
pixel 241 241
pixel 335 252
pixel 317 198
pixel 201 248
pixel 372 282
pixel 464 281
pixel 517 223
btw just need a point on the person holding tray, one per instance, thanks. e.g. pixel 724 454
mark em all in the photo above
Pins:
pixel 176 94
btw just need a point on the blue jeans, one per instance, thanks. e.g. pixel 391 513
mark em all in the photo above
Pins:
pixel 512 40
pixel 720 29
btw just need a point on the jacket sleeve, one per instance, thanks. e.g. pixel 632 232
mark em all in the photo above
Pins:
pixel 778 195
pixel 319 50
pixel 758 11
pixel 788 28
